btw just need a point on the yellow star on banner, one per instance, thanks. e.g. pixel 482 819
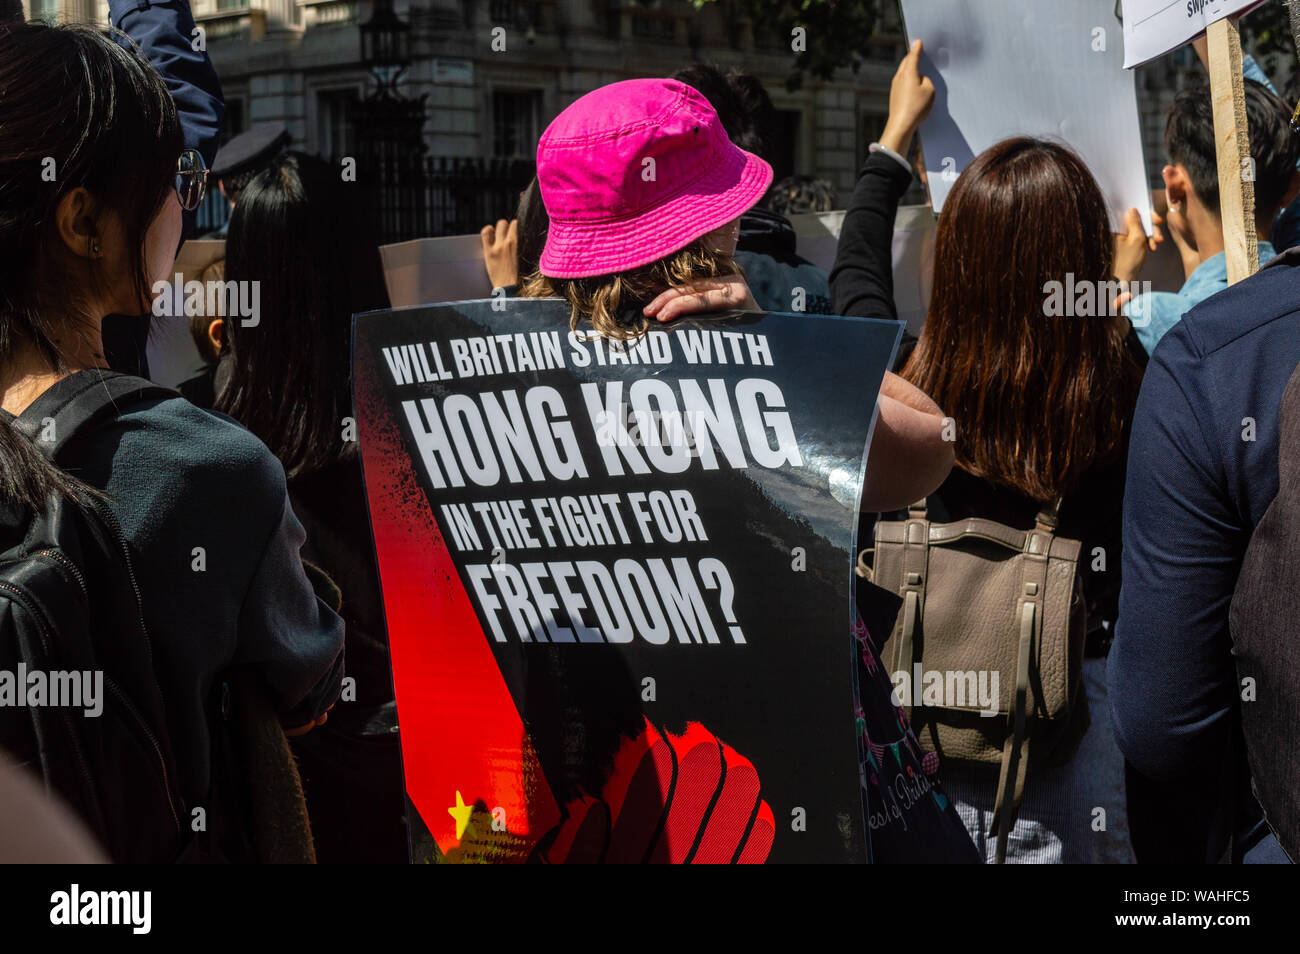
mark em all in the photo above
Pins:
pixel 461 813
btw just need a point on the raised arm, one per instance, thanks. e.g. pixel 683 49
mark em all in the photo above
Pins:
pixel 862 281
pixel 166 34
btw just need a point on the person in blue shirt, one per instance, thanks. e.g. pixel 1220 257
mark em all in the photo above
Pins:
pixel 1202 470
pixel 164 31
pixel 1192 190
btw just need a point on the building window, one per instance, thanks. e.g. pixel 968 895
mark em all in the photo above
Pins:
pixel 335 133
pixel 515 123
pixel 519 13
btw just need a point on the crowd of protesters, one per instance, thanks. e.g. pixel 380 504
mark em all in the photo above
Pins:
pixel 241 503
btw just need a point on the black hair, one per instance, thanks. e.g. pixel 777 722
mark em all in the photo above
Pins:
pixel 742 104
pixel 797 194
pixel 1189 142
pixel 234 184
pixel 306 238
pixel 78 110
pixel 757 132
pixel 530 238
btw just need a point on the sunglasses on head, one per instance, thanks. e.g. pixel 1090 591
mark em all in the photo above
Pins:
pixel 191 179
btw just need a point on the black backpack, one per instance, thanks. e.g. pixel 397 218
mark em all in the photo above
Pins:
pixel 69 603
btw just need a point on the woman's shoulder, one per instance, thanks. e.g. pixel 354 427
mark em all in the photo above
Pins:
pixel 170 454
pixel 191 437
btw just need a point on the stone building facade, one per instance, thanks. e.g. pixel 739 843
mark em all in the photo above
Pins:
pixel 299 62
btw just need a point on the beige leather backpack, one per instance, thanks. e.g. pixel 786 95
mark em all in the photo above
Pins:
pixel 984 601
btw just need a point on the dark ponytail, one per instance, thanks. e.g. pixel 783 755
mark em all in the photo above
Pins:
pixel 77 110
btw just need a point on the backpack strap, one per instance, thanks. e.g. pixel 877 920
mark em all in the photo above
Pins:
pixel 76 405
pixel 1015 751
pixel 1048 516
pixel 916 558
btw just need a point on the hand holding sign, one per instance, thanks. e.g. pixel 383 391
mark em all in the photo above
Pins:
pixel 500 243
pixel 979 54
pixel 710 294
pixel 911 97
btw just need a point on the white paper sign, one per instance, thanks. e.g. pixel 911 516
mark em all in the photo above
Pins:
pixel 1154 27
pixel 435 269
pixel 818 234
pixel 1005 68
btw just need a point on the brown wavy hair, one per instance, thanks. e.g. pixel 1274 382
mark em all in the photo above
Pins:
pixel 1037 400
pixel 613 303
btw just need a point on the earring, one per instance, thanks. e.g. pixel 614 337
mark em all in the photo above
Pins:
pixel 94 247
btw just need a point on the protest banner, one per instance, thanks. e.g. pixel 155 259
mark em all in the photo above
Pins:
pixel 1155 27
pixel 617 579
pixel 979 56
pixel 817 235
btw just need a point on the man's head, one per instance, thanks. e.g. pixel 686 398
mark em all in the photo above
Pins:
pixel 232 184
pixel 1192 176
pixel 240 160
pixel 740 101
pixel 794 195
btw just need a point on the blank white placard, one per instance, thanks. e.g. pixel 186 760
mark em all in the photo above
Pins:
pixel 1043 68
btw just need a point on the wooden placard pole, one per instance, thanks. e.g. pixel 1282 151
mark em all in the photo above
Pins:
pixel 1232 141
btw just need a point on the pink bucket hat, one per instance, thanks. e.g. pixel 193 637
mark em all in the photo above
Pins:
pixel 634 171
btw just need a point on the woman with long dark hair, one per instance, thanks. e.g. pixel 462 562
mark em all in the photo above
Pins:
pixel 1041 405
pixel 1042 402
pixel 304 236
pixel 94 180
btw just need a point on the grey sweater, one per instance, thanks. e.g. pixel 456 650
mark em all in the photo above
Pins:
pixel 215 548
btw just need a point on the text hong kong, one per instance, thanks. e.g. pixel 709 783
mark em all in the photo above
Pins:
pixel 655 425
pixel 648 426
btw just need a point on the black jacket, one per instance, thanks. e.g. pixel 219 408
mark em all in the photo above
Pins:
pixel 862 281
